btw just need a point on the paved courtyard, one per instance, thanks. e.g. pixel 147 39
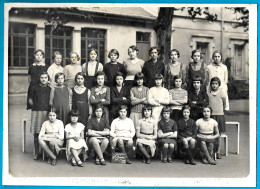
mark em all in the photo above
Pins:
pixel 233 166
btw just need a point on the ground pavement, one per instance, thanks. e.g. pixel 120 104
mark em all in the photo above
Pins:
pixel 22 164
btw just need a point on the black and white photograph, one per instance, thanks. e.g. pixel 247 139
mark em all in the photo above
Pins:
pixel 130 94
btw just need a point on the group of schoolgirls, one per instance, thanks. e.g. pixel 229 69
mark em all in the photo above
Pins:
pixel 153 111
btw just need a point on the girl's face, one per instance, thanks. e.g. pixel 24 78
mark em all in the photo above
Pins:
pixel 38 56
pixel 113 57
pixel 196 57
pixel 196 85
pixel 73 58
pixel 158 82
pixel 174 56
pixel 93 55
pixel 52 116
pixel 74 119
pixel 122 113
pixel 119 80
pixel 80 80
pixel 58 59
pixel 100 80
pixel 140 81
pixel 154 54
pixel 186 113
pixel 217 58
pixel 214 85
pixel 44 79
pixel 166 115
pixel 206 113
pixel 147 113
pixel 132 53
pixel 60 80
pixel 98 112
pixel 177 83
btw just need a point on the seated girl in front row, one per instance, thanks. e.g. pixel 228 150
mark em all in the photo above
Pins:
pixel 167 133
pixel 207 133
pixel 146 132
pixel 75 140
pixel 98 131
pixel 187 132
pixel 122 132
pixel 51 137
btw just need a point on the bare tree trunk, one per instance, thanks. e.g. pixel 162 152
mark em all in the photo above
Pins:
pixel 163 28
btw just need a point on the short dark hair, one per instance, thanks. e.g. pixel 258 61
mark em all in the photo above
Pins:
pixel 97 106
pixel 51 109
pixel 174 50
pixel 147 107
pixel 74 112
pixel 55 53
pixel 93 49
pixel 185 107
pixel 207 106
pixel 139 75
pixel 81 74
pixel 123 106
pixel 57 75
pixel 195 51
pixel 215 79
pixel 44 73
pixel 159 76
pixel 166 109
pixel 39 50
pixel 119 74
pixel 113 51
pixel 197 78
pixel 152 48
pixel 98 74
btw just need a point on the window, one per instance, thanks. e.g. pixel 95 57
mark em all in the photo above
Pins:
pixel 143 44
pixel 21 45
pixel 203 47
pixel 239 60
pixel 92 38
pixel 58 41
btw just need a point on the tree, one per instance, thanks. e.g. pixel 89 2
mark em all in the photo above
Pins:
pixel 163 24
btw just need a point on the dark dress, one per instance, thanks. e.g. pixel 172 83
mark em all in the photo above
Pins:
pixel 80 103
pixel 34 72
pixel 186 128
pixel 61 103
pixel 117 100
pixel 201 99
pixel 165 127
pixel 192 73
pixel 40 96
pixel 110 71
pixel 150 70
pixel 89 81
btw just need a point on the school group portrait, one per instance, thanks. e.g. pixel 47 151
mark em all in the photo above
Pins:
pixel 128 86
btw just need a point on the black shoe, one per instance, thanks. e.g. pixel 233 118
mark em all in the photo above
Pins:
pixel 102 161
pixel 128 161
pixel 148 161
pixel 54 162
pixel 144 160
pixel 187 161
pixel 192 162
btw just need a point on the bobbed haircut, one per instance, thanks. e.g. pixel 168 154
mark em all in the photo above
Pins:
pixel 44 73
pixel 159 76
pixel 134 48
pixel 52 110
pixel 81 74
pixel 97 106
pixel 195 51
pixel 99 73
pixel 123 106
pixel 74 112
pixel 113 51
pixel 216 51
pixel 55 53
pixel 147 107
pixel 185 107
pixel 39 50
pixel 119 74
pixel 152 48
pixel 215 79
pixel 138 76
pixel 207 106
pixel 57 75
pixel 166 109
pixel 197 78
pixel 174 50
pixel 78 58
pixel 176 77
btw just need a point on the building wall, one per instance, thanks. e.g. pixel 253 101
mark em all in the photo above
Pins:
pixel 117 36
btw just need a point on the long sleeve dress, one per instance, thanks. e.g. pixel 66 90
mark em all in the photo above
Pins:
pixel 158 95
pixel 110 71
